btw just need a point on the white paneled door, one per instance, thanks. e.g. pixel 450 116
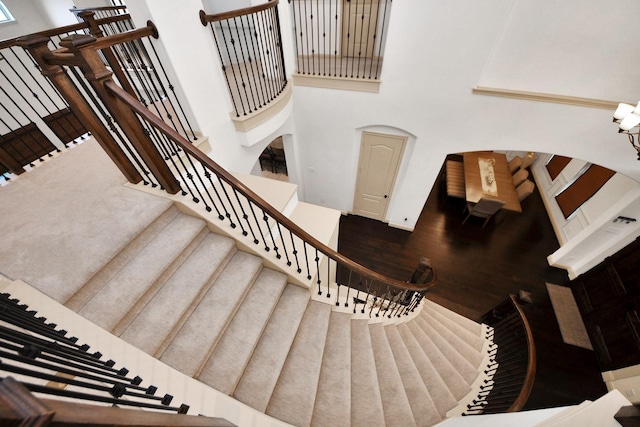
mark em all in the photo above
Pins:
pixel 380 157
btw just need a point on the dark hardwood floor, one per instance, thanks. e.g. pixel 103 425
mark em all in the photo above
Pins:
pixel 477 269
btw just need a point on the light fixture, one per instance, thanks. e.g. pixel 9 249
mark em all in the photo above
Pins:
pixel 628 118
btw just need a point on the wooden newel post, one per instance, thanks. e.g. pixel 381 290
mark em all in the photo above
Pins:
pixel 97 74
pixel 38 48
pixel 95 30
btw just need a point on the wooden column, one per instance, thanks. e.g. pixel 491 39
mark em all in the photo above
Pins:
pixel 95 30
pixel 37 47
pixel 97 74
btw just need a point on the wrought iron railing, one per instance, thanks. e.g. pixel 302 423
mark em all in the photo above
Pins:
pixel 169 160
pixel 513 366
pixel 340 38
pixel 250 49
pixel 49 362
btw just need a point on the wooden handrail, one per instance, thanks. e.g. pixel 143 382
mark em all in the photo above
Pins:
pixel 162 127
pixel 63 30
pixel 91 9
pixel 527 386
pixel 205 19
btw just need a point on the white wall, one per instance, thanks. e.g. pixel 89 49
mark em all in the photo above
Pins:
pixel 29 18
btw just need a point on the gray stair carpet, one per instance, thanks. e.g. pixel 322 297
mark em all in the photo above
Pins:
pixel 424 411
pixel 173 302
pixel 117 297
pixel 333 397
pixel 213 312
pixel 440 394
pixel 231 355
pixel 295 392
pixel 475 341
pixel 366 403
pixel 468 372
pixel 395 403
pixel 263 370
pixel 473 356
pixel 452 378
pixel 119 261
pixel 473 327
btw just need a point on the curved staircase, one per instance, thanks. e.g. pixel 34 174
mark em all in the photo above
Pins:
pixel 191 299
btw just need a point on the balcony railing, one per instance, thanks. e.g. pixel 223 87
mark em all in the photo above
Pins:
pixel 340 38
pixel 250 50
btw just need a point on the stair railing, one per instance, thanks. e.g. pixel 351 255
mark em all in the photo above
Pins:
pixel 180 167
pixel 249 45
pixel 340 38
pixel 35 120
pixel 513 361
pixel 46 360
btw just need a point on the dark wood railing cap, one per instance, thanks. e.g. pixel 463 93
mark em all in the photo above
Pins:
pixel 204 18
pixel 77 40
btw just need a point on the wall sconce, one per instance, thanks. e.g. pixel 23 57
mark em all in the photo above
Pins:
pixel 628 118
pixel 625 219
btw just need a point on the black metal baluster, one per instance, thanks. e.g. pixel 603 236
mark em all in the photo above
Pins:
pixel 321 52
pixel 233 69
pixel 240 61
pixel 346 303
pixel 319 280
pixel 257 63
pixel 255 218
pixel 376 46
pixel 357 297
pixel 306 32
pixel 267 58
pixel 248 69
pixel 224 69
pixel 280 66
pixel 208 175
pixel 265 218
pixel 295 253
pixel 335 41
pixel 295 36
pixel 244 214
pixel 385 22
pixel 284 246
pixel 306 258
pixel 328 276
pixel 233 209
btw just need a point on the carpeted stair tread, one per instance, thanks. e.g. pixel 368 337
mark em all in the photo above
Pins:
pixel 333 397
pixel 232 353
pixel 261 373
pixel 473 356
pixel 467 371
pixel 172 302
pixel 395 404
pixel 452 378
pixel 294 396
pixel 424 411
pixel 438 390
pixel 117 297
pixel 473 340
pixel 120 260
pixel 207 322
pixel 473 327
pixel 366 403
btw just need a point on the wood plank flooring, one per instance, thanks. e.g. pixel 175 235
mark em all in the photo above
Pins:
pixel 477 269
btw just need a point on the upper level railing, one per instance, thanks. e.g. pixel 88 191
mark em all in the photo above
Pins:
pixel 513 366
pixel 177 166
pixel 340 38
pixel 249 45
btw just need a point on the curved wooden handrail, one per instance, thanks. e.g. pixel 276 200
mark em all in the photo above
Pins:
pixel 167 131
pixel 527 385
pixel 205 19
pixel 91 9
